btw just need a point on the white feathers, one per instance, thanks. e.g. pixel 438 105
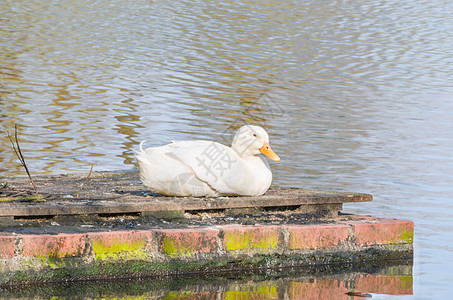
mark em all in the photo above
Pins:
pixel 205 168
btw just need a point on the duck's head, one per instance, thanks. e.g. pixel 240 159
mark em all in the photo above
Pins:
pixel 252 140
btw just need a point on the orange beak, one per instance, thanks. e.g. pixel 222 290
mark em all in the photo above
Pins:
pixel 266 150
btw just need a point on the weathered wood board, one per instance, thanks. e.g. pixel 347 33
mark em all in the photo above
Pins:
pixel 122 192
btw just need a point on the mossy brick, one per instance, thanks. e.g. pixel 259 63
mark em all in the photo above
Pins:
pixel 126 245
pixel 59 245
pixel 380 231
pixel 187 243
pixel 315 237
pixel 259 239
pixel 7 246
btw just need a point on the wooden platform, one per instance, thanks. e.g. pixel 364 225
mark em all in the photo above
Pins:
pixel 110 226
pixel 106 193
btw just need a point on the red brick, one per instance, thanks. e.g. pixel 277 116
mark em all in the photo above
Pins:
pixel 7 246
pixel 60 245
pixel 186 243
pixel 314 237
pixel 379 231
pixel 251 238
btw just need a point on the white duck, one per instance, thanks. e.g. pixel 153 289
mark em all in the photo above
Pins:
pixel 205 168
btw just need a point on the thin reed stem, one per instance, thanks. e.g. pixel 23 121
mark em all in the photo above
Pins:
pixel 81 187
pixel 19 155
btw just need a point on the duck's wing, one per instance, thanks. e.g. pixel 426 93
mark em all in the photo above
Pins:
pixel 217 165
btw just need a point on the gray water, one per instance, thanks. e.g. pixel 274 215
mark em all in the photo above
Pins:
pixel 356 95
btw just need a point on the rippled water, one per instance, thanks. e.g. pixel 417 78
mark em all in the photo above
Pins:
pixel 356 95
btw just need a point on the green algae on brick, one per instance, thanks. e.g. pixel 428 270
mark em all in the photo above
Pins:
pixel 53 262
pixel 128 250
pixel 407 236
pixel 173 249
pixel 250 240
pixel 187 244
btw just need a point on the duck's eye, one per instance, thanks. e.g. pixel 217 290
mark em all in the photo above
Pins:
pixel 254 135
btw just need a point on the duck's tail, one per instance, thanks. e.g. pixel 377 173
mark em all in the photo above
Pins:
pixel 141 145
pixel 140 148
pixel 140 156
pixel 143 163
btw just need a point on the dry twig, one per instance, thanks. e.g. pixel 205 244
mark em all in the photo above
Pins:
pixel 81 186
pixel 20 156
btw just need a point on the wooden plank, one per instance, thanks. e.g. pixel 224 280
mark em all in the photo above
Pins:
pixel 107 194
pixel 186 204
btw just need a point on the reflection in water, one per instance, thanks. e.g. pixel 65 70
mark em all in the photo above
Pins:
pixel 362 89
pixel 390 280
